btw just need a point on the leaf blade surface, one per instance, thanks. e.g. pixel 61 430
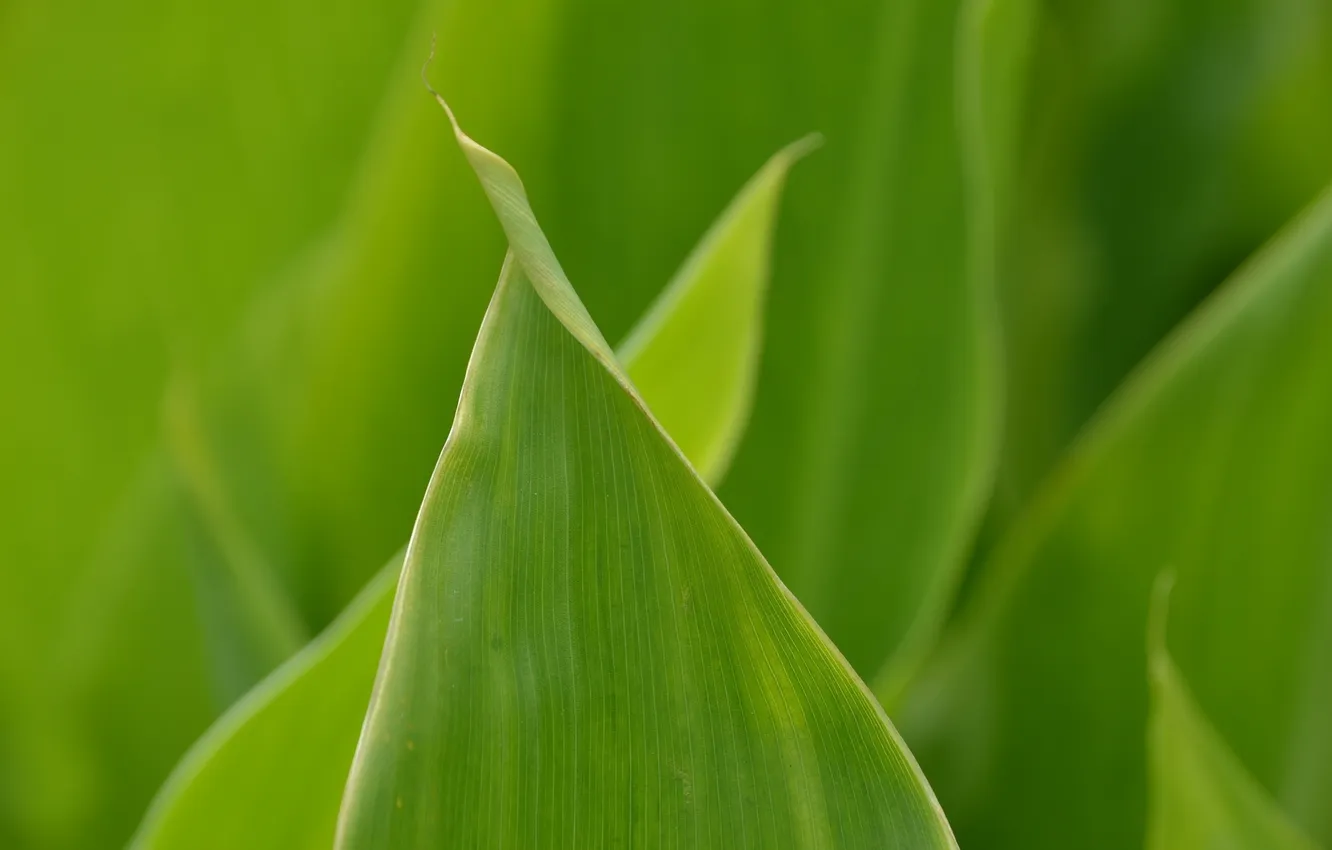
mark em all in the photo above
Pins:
pixel 227 789
pixel 585 647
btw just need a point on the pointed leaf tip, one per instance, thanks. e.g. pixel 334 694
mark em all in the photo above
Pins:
pixel 585 647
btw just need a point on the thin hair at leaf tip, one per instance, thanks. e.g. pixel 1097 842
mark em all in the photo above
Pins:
pixel 425 80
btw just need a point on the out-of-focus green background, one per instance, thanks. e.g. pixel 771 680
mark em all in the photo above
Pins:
pixel 242 266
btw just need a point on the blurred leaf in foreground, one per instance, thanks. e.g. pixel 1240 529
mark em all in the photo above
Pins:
pixel 1213 461
pixel 1202 798
pixel 585 648
pixel 246 782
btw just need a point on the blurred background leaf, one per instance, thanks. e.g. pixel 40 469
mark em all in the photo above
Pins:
pixel 270 772
pixel 870 458
pixel 236 215
pixel 1200 795
pixel 1212 461
pixel 695 355
pixel 159 162
pixel 1162 144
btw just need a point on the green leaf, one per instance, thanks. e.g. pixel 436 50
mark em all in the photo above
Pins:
pixel 245 783
pixel 270 772
pixel 867 458
pixel 695 355
pixel 872 460
pixel 1150 168
pixel 125 253
pixel 585 648
pixel 248 614
pixel 1202 798
pixel 130 678
pixel 315 187
pixel 351 349
pixel 1214 462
